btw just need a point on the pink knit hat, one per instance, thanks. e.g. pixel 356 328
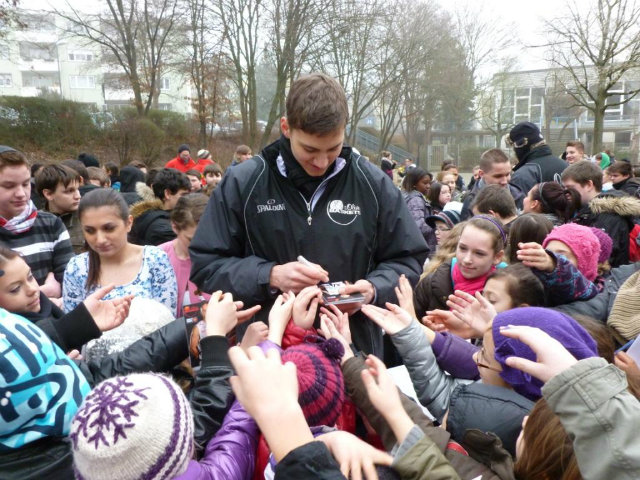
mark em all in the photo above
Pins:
pixel 582 242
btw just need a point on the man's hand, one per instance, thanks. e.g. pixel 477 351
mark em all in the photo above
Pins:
pixel 107 314
pixel 364 287
pixel 294 276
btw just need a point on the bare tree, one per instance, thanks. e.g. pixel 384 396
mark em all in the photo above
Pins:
pixel 496 101
pixel 596 46
pixel 241 20
pixel 133 35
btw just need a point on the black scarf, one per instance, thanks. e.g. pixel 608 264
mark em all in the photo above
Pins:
pixel 304 183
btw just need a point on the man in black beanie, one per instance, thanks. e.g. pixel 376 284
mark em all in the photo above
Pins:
pixel 536 163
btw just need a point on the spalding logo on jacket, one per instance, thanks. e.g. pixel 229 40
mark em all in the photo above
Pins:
pixel 343 214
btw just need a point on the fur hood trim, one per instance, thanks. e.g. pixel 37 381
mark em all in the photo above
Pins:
pixel 145 192
pixel 139 208
pixel 623 205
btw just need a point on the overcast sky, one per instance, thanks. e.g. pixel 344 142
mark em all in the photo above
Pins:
pixel 526 19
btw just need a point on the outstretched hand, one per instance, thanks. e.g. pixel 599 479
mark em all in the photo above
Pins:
pixel 391 320
pixel 355 456
pixel 552 357
pixel 446 321
pixel 475 311
pixel 328 330
pixel 221 316
pixel 533 255
pixel 107 314
pixel 305 306
pixel 279 316
pixel 404 292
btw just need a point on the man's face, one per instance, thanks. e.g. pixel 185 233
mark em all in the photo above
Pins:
pixel 573 155
pixel 617 177
pixel 587 192
pixel 63 199
pixel 15 190
pixel 170 199
pixel 244 156
pixel 500 174
pixel 184 155
pixel 314 153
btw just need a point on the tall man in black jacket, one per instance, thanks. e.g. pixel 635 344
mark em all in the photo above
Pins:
pixel 308 194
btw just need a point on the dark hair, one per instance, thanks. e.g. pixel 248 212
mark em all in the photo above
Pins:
pixel 491 157
pixel 413 176
pixel 583 171
pixel 7 254
pixel 194 173
pixel 169 179
pixel 549 450
pixel 529 227
pixel 497 199
pixel 434 194
pixel 449 166
pixel 79 167
pixel 151 176
pixel 317 104
pixel 111 168
pixel 213 169
pixel 35 167
pixel 188 210
pixel 600 333
pixel 50 176
pixel 88 160
pixel 622 168
pixel 522 285
pixel 100 197
pixel 492 226
pixel 138 164
pixel 554 198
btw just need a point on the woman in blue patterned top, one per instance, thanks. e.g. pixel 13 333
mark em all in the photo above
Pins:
pixel 111 259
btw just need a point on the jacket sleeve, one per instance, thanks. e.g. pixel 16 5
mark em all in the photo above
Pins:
pixel 601 416
pixel 74 329
pixel 527 176
pixel 565 283
pixel 418 458
pixel 433 386
pixel 311 460
pixel 417 210
pixel 211 396
pixel 159 232
pixel 62 249
pixel 220 256
pixel 158 352
pixel 400 249
pixel 231 453
pixel 455 355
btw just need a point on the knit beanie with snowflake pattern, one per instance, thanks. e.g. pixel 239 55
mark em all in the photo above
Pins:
pixel 130 427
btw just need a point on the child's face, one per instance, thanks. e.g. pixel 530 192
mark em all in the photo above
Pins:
pixel 213 179
pixel 63 199
pixel 497 293
pixel 561 248
pixel 104 230
pixel 445 195
pixel 19 291
pixel 15 190
pixel 529 205
pixel 450 179
pixel 442 232
pixel 314 153
pixel 488 366
pixel 475 252
pixel 196 184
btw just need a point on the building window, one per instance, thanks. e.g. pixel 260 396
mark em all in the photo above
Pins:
pixel 80 56
pixel 4 52
pixel 165 83
pixel 5 80
pixel 34 51
pixel 164 106
pixel 82 81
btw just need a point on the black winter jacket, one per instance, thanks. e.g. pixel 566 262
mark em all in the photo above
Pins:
pixel 356 226
pixel 539 165
pixel 151 224
pixel 629 185
pixel 614 212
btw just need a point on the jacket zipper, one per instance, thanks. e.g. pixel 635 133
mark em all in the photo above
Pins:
pixel 309 203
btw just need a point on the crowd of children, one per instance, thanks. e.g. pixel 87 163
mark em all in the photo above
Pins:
pixel 114 364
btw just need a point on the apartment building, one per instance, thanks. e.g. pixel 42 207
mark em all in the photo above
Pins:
pixel 42 57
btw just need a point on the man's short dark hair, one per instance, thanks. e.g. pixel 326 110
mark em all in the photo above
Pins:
pixel 169 179
pixel 317 105
pixel 621 168
pixel 497 199
pixel 212 169
pixel 10 157
pixel 79 167
pixel 111 168
pixel 50 176
pixel 576 144
pixel 583 171
pixel 491 157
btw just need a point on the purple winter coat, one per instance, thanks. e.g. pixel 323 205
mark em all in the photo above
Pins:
pixel 231 454
pixel 420 209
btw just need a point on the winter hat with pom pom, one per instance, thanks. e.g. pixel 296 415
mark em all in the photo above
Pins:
pixel 320 381
pixel 582 242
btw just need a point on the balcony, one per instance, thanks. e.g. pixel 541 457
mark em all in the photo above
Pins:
pixel 38 65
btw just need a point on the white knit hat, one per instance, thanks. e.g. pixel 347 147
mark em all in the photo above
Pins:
pixel 130 427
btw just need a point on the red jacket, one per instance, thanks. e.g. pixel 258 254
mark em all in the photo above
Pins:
pixel 179 164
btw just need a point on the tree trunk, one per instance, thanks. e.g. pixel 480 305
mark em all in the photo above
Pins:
pixel 598 122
